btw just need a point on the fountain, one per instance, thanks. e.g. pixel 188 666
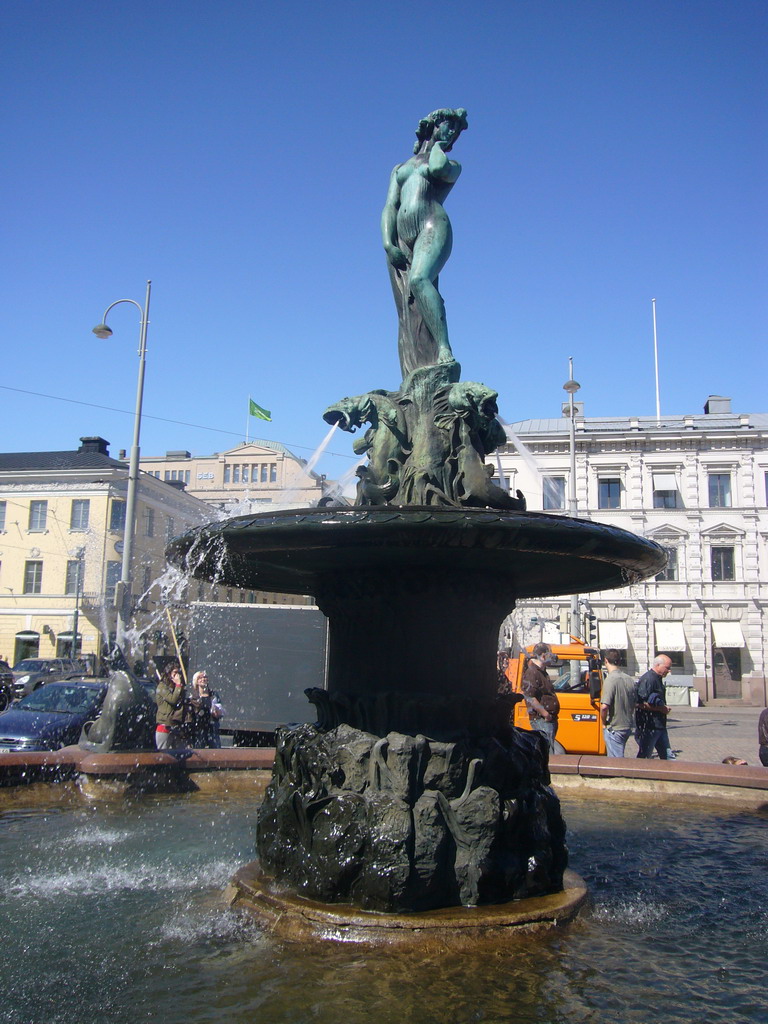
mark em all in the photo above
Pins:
pixel 413 794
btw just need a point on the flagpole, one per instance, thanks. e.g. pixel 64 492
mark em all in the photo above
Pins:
pixel 656 362
pixel 248 420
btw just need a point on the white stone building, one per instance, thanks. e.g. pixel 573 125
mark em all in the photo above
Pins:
pixel 250 477
pixel 697 485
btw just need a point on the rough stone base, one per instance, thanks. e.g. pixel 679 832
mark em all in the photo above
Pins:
pixel 405 823
pixel 292 918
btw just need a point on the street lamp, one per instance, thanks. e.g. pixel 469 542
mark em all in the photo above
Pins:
pixel 571 386
pixel 123 590
pixel 77 554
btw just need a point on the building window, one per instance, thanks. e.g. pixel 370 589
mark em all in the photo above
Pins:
pixel 665 492
pixel 235 474
pixel 80 514
pixel 226 474
pixel 33 577
pixel 200 591
pixel 149 522
pixel 113 578
pixel 73 581
pixel 245 474
pixel 264 471
pixel 719 490
pixel 666 499
pixel 676 657
pixel 186 476
pixel 117 515
pixel 670 570
pixel 2 516
pixel 766 499
pixel 167 476
pixel 553 493
pixel 723 564
pixel 273 473
pixel 170 529
pixel 38 517
pixel 146 581
pixel 609 492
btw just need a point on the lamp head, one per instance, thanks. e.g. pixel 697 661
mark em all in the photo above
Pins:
pixel 571 386
pixel 102 331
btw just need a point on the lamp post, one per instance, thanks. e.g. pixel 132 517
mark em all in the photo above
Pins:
pixel 571 387
pixel 77 554
pixel 123 589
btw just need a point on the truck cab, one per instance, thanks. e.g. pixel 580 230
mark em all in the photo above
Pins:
pixel 578 679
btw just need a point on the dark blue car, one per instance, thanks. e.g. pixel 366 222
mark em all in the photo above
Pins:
pixel 52 716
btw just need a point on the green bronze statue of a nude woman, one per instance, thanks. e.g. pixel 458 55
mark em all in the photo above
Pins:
pixel 417 239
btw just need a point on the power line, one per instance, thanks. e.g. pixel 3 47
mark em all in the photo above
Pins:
pixel 161 419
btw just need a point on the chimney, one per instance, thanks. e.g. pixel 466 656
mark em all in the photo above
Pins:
pixel 94 444
pixel 716 405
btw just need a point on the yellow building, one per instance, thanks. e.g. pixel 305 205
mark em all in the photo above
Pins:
pixel 62 521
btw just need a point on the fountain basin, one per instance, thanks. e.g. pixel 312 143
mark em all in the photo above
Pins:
pixel 131 894
pixel 535 554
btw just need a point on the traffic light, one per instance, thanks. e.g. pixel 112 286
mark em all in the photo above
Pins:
pixel 590 629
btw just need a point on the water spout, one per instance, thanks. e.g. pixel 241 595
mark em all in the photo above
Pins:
pixel 522 451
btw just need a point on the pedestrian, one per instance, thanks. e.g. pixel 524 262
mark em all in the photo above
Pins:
pixel 617 705
pixel 171 708
pixel 540 697
pixel 762 737
pixel 652 711
pixel 206 713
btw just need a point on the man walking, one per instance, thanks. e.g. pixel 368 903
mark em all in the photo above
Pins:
pixel 540 697
pixel 652 710
pixel 617 705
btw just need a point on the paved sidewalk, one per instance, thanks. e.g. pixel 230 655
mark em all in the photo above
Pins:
pixel 708 734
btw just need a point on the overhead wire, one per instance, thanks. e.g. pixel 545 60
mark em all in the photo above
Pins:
pixel 160 419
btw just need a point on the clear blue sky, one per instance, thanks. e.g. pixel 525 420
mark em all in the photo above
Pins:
pixel 238 153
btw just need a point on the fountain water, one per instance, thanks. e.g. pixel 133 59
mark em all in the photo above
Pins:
pixel 413 792
pixel 122 920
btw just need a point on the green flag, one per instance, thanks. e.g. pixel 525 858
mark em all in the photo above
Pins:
pixel 257 411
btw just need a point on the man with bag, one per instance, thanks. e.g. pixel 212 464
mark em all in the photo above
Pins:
pixel 540 697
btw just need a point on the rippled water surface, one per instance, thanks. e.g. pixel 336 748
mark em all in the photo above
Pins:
pixel 114 913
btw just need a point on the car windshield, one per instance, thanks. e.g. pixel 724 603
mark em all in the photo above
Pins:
pixel 29 665
pixel 569 675
pixel 69 699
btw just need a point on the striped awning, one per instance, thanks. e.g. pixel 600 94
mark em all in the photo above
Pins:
pixel 728 634
pixel 670 636
pixel 664 482
pixel 612 634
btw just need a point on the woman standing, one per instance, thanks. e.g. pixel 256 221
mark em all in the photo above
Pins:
pixel 206 712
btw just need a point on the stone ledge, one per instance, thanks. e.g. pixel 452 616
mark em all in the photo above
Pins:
pixel 294 918
pixel 743 776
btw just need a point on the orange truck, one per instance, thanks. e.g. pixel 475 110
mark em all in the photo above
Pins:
pixel 578 679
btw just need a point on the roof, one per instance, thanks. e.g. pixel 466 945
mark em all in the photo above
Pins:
pixel 703 422
pixel 23 461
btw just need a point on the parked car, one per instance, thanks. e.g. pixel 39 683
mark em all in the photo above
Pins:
pixel 52 716
pixel 33 672
pixel 7 691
